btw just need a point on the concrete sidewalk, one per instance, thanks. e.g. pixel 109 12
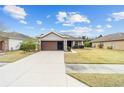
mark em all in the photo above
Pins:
pixel 45 68
pixel 95 68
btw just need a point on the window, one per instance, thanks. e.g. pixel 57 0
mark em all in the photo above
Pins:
pixel 76 43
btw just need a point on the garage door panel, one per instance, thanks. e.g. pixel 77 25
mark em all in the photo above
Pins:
pixel 49 45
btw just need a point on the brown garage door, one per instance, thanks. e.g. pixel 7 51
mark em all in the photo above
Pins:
pixel 49 45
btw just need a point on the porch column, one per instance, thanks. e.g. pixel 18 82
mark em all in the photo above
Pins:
pixel 73 43
pixel 5 45
pixel 65 45
pixel 39 45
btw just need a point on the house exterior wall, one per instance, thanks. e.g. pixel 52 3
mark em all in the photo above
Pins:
pixel 95 45
pixel 55 37
pixel 118 45
pixel 77 42
pixel 52 37
pixel 14 44
pixel 80 42
pixel 4 43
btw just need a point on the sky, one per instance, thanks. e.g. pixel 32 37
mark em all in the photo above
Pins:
pixel 76 20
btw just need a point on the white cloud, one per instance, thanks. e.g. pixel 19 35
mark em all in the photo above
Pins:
pixel 118 16
pixel 78 18
pixel 67 18
pixel 61 16
pixel 52 29
pixel 67 24
pixel 42 29
pixel 77 31
pixel 99 30
pixel 108 26
pixel 47 29
pixel 98 26
pixel 23 22
pixel 39 22
pixel 48 16
pixel 109 19
pixel 15 12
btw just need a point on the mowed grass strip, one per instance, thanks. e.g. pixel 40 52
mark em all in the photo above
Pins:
pixel 13 56
pixel 95 56
pixel 100 80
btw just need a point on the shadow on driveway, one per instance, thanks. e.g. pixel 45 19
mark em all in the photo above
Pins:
pixel 3 64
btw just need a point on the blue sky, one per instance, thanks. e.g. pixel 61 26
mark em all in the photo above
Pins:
pixel 74 20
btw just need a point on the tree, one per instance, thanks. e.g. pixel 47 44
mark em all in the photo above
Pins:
pixel 87 42
pixel 28 45
pixel 83 37
pixel 100 36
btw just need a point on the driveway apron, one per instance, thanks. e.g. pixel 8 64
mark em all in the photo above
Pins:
pixel 45 68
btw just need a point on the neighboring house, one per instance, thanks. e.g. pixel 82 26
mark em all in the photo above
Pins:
pixel 11 40
pixel 55 41
pixel 113 41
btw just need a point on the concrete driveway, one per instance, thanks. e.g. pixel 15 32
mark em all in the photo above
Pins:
pixel 45 68
pixel 3 64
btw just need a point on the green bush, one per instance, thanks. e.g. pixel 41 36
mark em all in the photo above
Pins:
pixel 69 48
pixel 87 44
pixel 28 45
pixel 109 47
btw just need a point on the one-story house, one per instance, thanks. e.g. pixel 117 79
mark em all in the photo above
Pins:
pixel 11 40
pixel 56 41
pixel 113 41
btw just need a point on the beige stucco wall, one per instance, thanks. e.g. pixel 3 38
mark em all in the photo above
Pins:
pixel 54 37
pixel 14 44
pixel 6 45
pixel 95 45
pixel 119 45
pixel 51 37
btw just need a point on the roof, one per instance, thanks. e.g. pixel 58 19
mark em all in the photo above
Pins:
pixel 43 35
pixel 110 37
pixel 14 35
pixel 71 37
pixel 65 36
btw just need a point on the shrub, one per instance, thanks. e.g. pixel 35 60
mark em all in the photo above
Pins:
pixel 69 48
pixel 75 47
pixel 87 44
pixel 28 45
pixel 109 47
pixel 81 46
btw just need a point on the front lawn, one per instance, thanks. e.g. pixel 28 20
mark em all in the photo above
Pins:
pixel 95 56
pixel 13 56
pixel 100 80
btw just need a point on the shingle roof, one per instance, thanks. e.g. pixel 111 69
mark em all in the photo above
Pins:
pixel 110 37
pixel 71 37
pixel 68 37
pixel 13 35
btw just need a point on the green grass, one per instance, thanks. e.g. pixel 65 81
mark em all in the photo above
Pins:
pixel 13 56
pixel 100 80
pixel 95 56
